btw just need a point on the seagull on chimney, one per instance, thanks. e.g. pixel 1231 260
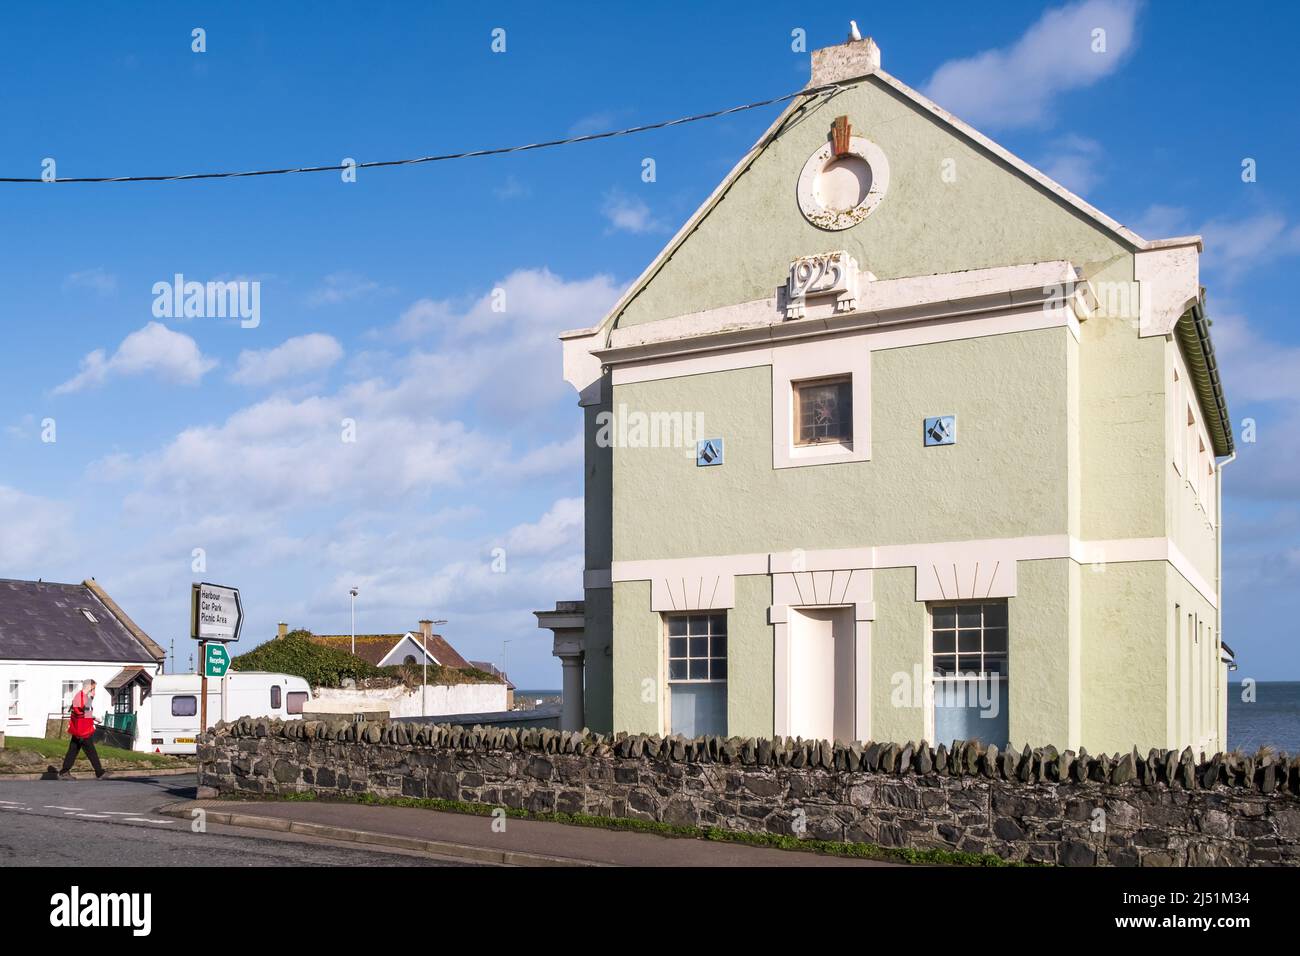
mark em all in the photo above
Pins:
pixel 854 33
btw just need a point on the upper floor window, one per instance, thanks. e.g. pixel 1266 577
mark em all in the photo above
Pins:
pixel 824 411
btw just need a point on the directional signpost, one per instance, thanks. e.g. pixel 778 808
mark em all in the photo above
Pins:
pixel 216 661
pixel 216 614
pixel 216 617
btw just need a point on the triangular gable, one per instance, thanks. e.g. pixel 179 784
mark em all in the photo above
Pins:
pixel 813 100
pixel 409 644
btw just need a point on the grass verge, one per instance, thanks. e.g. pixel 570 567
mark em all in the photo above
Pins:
pixel 52 748
pixel 863 851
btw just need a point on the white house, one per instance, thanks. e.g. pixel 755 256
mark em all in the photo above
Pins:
pixel 53 637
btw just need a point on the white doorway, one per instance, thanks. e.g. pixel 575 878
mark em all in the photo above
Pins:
pixel 822 669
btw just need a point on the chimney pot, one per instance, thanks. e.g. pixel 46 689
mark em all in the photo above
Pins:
pixel 848 61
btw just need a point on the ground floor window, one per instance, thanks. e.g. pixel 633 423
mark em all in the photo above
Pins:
pixel 15 690
pixel 969 652
pixel 697 673
pixel 67 691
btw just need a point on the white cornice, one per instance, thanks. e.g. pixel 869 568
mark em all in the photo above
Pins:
pixel 886 302
pixel 964 557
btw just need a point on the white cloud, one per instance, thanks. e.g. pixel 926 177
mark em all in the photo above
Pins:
pixel 1237 246
pixel 34 533
pixel 1072 161
pixel 424 317
pixel 629 214
pixel 487 367
pixel 1160 221
pixel 560 527
pixel 280 453
pixel 598 122
pixel 1260 383
pixel 292 358
pixel 1233 247
pixel 1254 368
pixel 97 280
pixel 22 427
pixel 342 287
pixel 512 188
pixel 154 349
pixel 1018 84
pixel 554 458
pixel 506 362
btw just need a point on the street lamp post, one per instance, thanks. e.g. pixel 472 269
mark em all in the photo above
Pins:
pixel 353 592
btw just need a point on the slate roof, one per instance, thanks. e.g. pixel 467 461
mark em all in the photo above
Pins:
pixel 375 647
pixel 126 675
pixel 494 671
pixel 44 621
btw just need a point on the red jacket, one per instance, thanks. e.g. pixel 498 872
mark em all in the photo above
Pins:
pixel 81 725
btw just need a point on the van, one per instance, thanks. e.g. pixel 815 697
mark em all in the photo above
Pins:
pixel 175 710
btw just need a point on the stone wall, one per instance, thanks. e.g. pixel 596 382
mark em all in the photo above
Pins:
pixel 1165 809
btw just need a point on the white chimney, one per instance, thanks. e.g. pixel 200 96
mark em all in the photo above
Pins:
pixel 848 61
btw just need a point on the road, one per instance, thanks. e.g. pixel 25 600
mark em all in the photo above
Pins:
pixel 113 822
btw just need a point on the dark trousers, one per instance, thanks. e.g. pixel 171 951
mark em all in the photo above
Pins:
pixel 88 745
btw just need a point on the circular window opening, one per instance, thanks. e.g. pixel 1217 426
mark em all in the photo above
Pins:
pixel 843 183
pixel 410 659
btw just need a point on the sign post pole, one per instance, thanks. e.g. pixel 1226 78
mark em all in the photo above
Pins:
pixel 203 689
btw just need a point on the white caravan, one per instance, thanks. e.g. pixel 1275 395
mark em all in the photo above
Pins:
pixel 175 711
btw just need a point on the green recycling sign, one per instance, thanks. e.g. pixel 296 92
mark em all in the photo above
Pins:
pixel 216 660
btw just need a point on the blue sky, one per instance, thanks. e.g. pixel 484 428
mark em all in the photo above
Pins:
pixel 375 295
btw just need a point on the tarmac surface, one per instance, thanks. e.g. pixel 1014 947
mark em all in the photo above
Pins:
pixel 155 820
pixel 113 822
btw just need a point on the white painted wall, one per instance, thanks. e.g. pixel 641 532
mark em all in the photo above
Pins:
pixel 399 702
pixel 40 692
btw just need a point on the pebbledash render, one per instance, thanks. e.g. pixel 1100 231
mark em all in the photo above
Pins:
pixel 898 439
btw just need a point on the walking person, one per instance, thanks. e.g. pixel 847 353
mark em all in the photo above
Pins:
pixel 81 730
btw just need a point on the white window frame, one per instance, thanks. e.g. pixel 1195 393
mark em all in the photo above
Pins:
pixel 797 363
pixel 15 698
pixel 957 652
pixel 667 659
pixel 933 680
pixel 67 694
pixel 1175 433
pixel 796 422
pixel 1211 498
